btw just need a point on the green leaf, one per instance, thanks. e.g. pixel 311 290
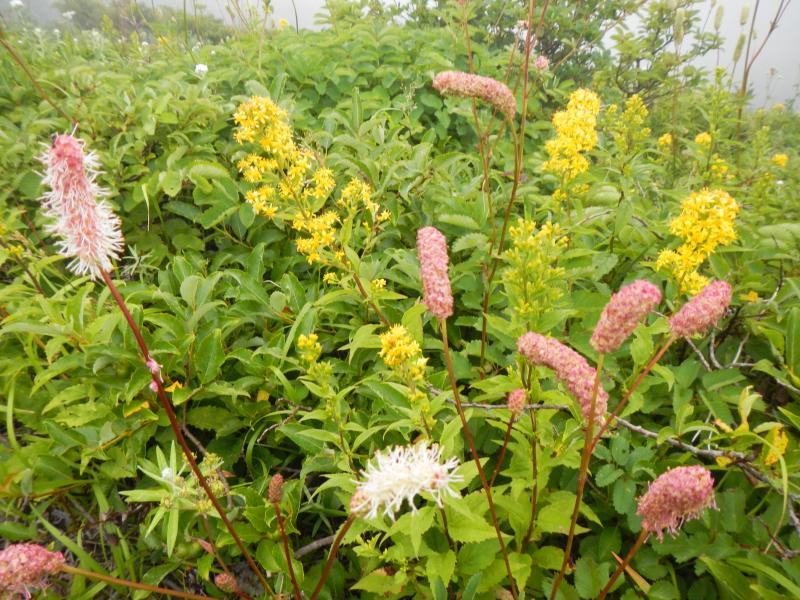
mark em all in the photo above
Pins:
pixel 472 587
pixel 209 356
pixel 441 565
pixel 171 183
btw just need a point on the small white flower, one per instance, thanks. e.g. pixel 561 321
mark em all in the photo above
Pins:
pixel 166 473
pixel 200 69
pixel 37 30
pixel 145 44
pixel 16 4
pixel 213 53
pixel 68 14
pixel 780 182
pixel 56 31
pixel 400 474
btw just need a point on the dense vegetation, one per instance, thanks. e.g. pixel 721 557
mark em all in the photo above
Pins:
pixel 271 186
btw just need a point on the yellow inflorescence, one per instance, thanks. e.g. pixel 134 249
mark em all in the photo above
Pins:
pixel 665 140
pixel 779 440
pixel 628 128
pixel 780 160
pixel 402 354
pixel 321 230
pixel 706 222
pixel 398 347
pixel 704 138
pixel 575 133
pixel 309 347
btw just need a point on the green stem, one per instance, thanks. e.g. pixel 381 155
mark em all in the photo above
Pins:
pixel 624 565
pixel 130 584
pixel 582 473
pixel 475 457
pixel 176 430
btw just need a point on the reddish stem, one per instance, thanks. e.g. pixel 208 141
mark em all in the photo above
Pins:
pixel 635 385
pixel 471 443
pixel 176 430
pixel 624 565
pixel 286 551
pixel 503 449
pixel 131 584
pixel 329 563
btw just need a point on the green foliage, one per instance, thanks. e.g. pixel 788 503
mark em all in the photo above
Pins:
pixel 226 303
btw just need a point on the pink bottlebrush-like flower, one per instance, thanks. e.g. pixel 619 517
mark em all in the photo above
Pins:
pixel 676 496
pixel 466 85
pixel 155 371
pixel 26 565
pixel 516 401
pixel 227 583
pixel 275 489
pixel 432 253
pixel 702 311
pixel 623 313
pixel 88 228
pixel 542 63
pixel 570 367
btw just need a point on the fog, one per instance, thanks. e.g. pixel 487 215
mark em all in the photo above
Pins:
pixel 775 76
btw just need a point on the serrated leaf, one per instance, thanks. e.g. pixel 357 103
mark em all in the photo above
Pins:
pixel 209 356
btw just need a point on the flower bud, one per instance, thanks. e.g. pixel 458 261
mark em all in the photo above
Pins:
pixel 466 85
pixel 516 401
pixel 432 253
pixel 702 311
pixel 623 313
pixel 26 565
pixel 275 490
pixel 227 583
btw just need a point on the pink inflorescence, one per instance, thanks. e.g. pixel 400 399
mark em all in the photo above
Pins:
pixel 676 496
pixel 26 565
pixel 702 311
pixel 432 253
pixel 542 63
pixel 623 313
pixel 466 85
pixel 226 583
pixel 88 228
pixel 516 400
pixel 570 367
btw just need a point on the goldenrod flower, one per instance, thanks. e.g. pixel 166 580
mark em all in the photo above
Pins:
pixel 575 133
pixel 309 347
pixel 779 440
pixel 665 140
pixel 780 160
pixel 703 139
pixel 397 347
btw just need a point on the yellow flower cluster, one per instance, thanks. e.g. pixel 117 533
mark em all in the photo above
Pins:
pixel 321 230
pixel 402 354
pixel 665 141
pixel 779 440
pixel 627 128
pixel 309 347
pixel 533 279
pixel 356 193
pixel 706 221
pixel 718 168
pixel 575 133
pixel 703 139
pixel 260 121
pixel 780 160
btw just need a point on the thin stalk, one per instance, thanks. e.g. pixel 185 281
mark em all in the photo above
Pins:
pixel 624 565
pixel 286 551
pixel 584 468
pixel 656 357
pixel 176 430
pixel 363 292
pixel 450 541
pixel 329 563
pixel 130 584
pixel 535 474
pixel 502 454
pixel 471 443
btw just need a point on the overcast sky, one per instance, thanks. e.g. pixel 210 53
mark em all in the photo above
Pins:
pixel 781 56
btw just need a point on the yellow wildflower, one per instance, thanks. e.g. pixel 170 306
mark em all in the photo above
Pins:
pixel 780 160
pixel 384 216
pixel 575 133
pixel 260 199
pixel 378 284
pixel 779 440
pixel 283 24
pixel 706 222
pixel 309 347
pixel 665 140
pixel 176 385
pixel 330 277
pixel 322 234
pixel 323 184
pixel 718 167
pixel 704 138
pixel 751 296
pixel 397 347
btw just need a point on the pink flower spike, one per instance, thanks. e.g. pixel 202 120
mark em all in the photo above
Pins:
pixel 432 253
pixel 626 309
pixel 88 229
pixel 702 311
pixel 466 85
pixel 26 565
pixel 570 367
pixel 542 63
pixel 678 495
pixel 516 401
pixel 154 367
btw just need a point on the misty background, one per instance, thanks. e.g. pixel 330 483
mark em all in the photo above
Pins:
pixel 774 78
